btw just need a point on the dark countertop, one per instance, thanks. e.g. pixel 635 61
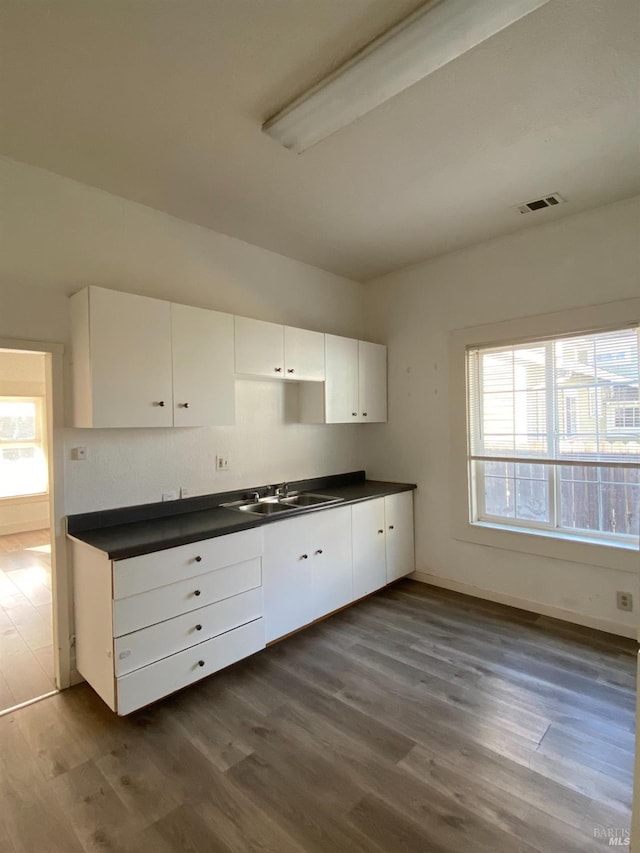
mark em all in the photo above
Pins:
pixel 133 531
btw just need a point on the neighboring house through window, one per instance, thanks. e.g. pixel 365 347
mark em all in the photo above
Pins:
pixel 554 435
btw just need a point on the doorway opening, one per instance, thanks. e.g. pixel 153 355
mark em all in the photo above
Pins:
pixel 28 660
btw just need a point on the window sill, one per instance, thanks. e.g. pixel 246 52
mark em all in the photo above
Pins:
pixel 557 536
pixel 23 499
pixel 542 543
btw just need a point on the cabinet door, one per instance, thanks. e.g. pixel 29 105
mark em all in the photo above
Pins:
pixel 331 560
pixel 130 360
pixel 399 535
pixel 259 348
pixel 341 384
pixel 369 551
pixel 286 577
pixel 372 382
pixel 203 367
pixel 303 354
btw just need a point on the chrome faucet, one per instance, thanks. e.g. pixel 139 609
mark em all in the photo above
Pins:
pixel 255 496
pixel 283 490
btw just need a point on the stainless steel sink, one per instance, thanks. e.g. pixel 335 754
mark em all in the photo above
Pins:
pixel 272 505
pixel 309 500
pixel 261 508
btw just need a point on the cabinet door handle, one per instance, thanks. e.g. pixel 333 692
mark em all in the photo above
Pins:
pixel 196 592
pixel 198 627
pixel 354 414
pixel 200 663
pixel 391 527
pixel 278 369
pixel 304 557
pixel 159 403
pixel 198 559
pixel 364 414
pixel 290 370
pixel 319 551
pixel 380 531
pixel 183 405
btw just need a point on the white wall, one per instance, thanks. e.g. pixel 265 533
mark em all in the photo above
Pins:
pixel 582 260
pixel 57 236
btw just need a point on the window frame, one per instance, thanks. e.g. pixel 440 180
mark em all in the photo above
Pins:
pixel 589 549
pixel 39 441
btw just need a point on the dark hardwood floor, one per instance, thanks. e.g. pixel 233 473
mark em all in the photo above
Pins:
pixel 417 720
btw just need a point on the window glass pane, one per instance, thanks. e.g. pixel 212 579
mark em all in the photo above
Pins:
pixel 23 464
pixel 600 499
pixel 17 420
pixel 532 500
pixel 499 496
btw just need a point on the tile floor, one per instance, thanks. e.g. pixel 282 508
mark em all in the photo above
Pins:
pixel 26 641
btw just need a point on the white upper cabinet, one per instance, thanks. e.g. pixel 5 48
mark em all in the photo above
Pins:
pixel 279 352
pixel 303 354
pixel 142 362
pixel 121 359
pixel 203 367
pixel 372 382
pixel 355 387
pixel 259 348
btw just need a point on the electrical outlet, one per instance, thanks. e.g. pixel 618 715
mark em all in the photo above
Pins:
pixel 170 496
pixel 624 600
pixel 79 454
pixel 222 462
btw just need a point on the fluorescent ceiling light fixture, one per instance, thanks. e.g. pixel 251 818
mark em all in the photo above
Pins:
pixel 432 36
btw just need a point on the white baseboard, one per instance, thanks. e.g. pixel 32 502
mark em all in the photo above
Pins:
pixel 607 625
pixel 13 527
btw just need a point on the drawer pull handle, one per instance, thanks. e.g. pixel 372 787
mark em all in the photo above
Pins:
pixel 198 627
pixel 391 527
pixel 304 557
pixel 196 592
pixel 278 369
pixel 319 551
pixel 380 531
pixel 290 370
pixel 200 663
pixel 198 559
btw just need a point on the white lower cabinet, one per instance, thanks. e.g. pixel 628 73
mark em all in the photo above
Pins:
pixel 382 542
pixel 369 550
pixel 142 634
pixel 149 625
pixel 398 516
pixel 307 569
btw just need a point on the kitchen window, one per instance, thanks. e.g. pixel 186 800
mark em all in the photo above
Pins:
pixel 23 461
pixel 554 436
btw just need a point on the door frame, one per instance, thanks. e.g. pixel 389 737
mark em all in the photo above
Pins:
pixel 61 592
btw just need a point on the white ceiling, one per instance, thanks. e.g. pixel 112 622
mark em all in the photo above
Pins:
pixel 161 101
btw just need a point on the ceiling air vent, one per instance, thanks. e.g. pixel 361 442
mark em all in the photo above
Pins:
pixel 540 203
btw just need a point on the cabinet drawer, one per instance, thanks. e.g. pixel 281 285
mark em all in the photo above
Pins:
pixel 148 608
pixel 139 574
pixel 152 682
pixel 158 641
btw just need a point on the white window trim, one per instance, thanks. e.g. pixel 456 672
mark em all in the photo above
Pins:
pixel 572 548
